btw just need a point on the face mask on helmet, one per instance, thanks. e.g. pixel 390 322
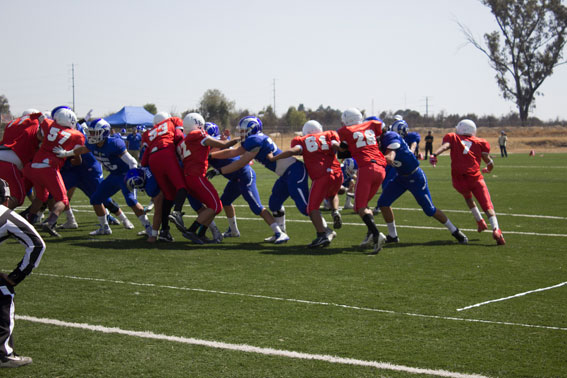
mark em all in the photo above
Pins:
pixel 401 127
pixel 351 117
pixel 193 121
pixel 135 179
pixel 212 129
pixel 312 127
pixel 4 191
pixel 64 116
pixel 249 125
pixel 466 127
pixel 98 131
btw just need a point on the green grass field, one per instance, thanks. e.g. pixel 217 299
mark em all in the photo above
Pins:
pixel 116 306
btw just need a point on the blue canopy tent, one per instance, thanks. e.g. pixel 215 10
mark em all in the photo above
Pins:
pixel 130 116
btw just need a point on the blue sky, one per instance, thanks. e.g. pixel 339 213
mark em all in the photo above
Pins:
pixel 373 54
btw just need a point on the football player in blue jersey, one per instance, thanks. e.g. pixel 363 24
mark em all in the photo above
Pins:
pixel 349 168
pixel 293 178
pixel 112 154
pixel 241 182
pixel 411 138
pixel 85 173
pixel 409 176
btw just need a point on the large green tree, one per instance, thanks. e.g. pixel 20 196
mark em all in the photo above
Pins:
pixel 215 107
pixel 152 108
pixel 526 48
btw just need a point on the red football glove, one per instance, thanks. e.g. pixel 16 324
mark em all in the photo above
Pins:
pixel 433 160
pixel 485 170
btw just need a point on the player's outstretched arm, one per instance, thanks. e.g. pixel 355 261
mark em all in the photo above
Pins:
pixel 433 158
pixel 228 153
pixel 240 163
pixel 296 150
pixel 489 162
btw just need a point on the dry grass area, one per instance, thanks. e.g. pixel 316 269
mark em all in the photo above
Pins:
pixel 520 139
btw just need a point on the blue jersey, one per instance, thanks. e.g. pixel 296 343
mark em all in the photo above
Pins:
pixel 405 162
pixel 109 155
pixel 134 141
pixel 266 145
pixel 412 137
pixel 219 163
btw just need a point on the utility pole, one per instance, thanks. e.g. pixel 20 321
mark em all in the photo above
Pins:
pixel 73 83
pixel 274 86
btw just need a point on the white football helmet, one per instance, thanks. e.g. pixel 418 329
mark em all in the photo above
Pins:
pixel 193 121
pixel 64 116
pixel 160 117
pixel 398 117
pixel 466 127
pixel 312 127
pixel 29 111
pixel 351 116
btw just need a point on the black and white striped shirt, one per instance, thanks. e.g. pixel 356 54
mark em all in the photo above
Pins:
pixel 12 224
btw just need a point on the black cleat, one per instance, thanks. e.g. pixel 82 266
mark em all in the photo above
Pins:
pixel 193 237
pixel 320 241
pixel 392 239
pixel 50 230
pixel 165 236
pixel 461 238
pixel 337 220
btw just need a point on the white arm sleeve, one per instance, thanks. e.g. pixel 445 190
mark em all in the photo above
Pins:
pixel 129 159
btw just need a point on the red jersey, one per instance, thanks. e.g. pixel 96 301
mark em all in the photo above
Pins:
pixel 466 153
pixel 20 136
pixel 55 135
pixel 318 155
pixel 163 135
pixel 362 142
pixel 194 153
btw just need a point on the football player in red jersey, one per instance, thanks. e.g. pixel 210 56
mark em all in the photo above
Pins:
pixel 318 148
pixel 19 144
pixel 467 151
pixel 361 140
pixel 194 152
pixel 43 172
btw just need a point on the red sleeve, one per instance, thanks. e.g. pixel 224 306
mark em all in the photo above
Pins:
pixel 178 136
pixel 295 142
pixel 485 146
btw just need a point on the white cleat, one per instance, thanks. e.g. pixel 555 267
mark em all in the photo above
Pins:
pixel 367 242
pixel 270 239
pixel 378 242
pixel 102 230
pixel 127 224
pixel 231 234
pixel 330 234
pixel 281 238
pixel 69 225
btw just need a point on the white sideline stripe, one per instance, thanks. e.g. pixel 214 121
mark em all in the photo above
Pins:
pixel 248 348
pixel 302 301
pixel 513 296
pixel 409 209
pixel 383 225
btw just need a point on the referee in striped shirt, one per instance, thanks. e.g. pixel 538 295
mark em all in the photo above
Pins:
pixel 12 224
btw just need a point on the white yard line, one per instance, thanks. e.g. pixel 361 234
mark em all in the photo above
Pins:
pixel 357 308
pixel 248 348
pixel 512 296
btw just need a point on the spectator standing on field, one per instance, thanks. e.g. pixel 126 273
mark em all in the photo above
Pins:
pixel 133 141
pixel 12 224
pixel 502 140
pixel 428 144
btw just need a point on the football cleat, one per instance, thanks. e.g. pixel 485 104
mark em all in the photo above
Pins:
pixel 230 234
pixel 367 241
pixel 217 235
pixel 165 236
pixel 50 230
pixel 376 210
pixel 392 239
pixel 127 224
pixel 337 220
pixel 193 237
pixel 497 235
pixel 320 241
pixel 270 239
pixel 330 234
pixel 462 238
pixel 481 225
pixel 102 230
pixel 69 225
pixel 378 242
pixel 148 208
pixel 347 207
pixel 112 220
pixel 14 361
pixel 177 218
pixel 281 237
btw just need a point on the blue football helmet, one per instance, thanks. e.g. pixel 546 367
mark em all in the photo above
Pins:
pixel 98 131
pixel 135 179
pixel 401 127
pixel 249 125
pixel 212 129
pixel 350 166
